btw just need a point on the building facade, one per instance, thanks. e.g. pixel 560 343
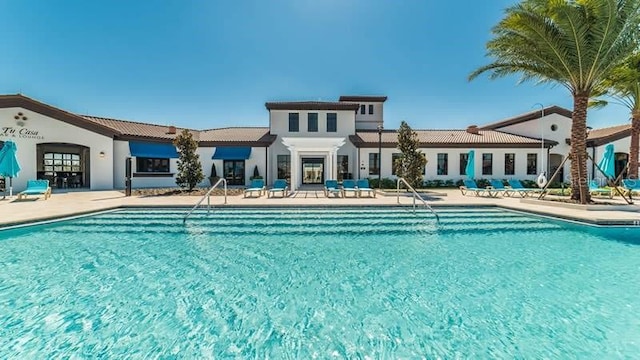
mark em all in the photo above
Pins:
pixel 304 142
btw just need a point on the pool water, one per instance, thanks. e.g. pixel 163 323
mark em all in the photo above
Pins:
pixel 319 283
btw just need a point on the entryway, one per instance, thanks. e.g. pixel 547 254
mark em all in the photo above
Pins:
pixel 312 170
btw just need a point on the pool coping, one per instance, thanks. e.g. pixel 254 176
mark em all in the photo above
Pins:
pixel 598 222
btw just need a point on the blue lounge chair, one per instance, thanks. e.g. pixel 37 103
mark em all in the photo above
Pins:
pixel 257 185
pixel 507 191
pixel 631 186
pixel 517 185
pixel 331 188
pixel 279 186
pixel 363 186
pixel 471 186
pixel 349 186
pixel 36 187
pixel 595 189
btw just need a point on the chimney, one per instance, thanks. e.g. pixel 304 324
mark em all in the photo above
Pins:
pixel 172 130
pixel 473 129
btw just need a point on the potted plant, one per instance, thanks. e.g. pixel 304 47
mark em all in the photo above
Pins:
pixel 214 175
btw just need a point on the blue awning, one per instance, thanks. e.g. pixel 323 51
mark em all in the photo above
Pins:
pixel 232 153
pixel 152 150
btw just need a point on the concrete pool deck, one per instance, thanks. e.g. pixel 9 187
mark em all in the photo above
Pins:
pixel 13 211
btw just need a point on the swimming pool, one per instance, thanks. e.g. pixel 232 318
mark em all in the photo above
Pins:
pixel 319 283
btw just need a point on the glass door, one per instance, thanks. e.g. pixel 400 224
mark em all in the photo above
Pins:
pixel 234 172
pixel 312 170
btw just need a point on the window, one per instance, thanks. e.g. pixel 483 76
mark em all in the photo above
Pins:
pixel 294 122
pixel 59 162
pixel 487 164
pixel 373 164
pixel 370 109
pixel 284 167
pixel 312 122
pixel 443 164
pixel 343 167
pixel 509 164
pixel 152 165
pixel 395 157
pixel 332 122
pixel 463 163
pixel 532 164
pixel 363 109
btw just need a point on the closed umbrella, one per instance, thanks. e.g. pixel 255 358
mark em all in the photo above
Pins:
pixel 470 170
pixel 9 166
pixel 607 163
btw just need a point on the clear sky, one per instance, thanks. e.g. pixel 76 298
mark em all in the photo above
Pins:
pixel 206 64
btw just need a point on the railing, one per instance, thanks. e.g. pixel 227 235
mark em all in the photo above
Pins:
pixel 208 197
pixel 415 196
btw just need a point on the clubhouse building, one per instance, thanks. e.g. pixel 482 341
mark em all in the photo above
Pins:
pixel 305 143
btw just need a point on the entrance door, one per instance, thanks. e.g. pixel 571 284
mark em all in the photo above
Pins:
pixel 554 163
pixel 312 170
pixel 234 172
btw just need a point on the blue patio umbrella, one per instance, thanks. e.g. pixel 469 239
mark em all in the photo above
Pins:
pixel 470 170
pixel 607 163
pixel 9 166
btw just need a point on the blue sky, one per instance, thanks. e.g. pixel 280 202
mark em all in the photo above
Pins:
pixel 206 64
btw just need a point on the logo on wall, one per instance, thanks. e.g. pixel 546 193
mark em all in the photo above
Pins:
pixel 20 131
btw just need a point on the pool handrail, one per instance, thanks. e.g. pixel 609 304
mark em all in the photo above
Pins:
pixel 415 195
pixel 208 197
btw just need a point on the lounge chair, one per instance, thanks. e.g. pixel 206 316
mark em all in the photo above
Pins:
pixel 363 186
pixel 471 186
pixel 507 191
pixel 257 185
pixel 331 188
pixel 630 186
pixel 595 189
pixel 279 186
pixel 517 185
pixel 349 186
pixel 36 187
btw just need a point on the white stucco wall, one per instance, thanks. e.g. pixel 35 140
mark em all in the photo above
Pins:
pixel 454 163
pixel 39 129
pixel 279 123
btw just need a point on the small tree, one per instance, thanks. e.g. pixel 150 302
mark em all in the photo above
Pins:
pixel 410 165
pixel 189 168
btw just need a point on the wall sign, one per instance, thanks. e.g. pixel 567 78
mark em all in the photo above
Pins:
pixel 9 132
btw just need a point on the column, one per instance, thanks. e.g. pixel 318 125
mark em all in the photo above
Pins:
pixel 294 169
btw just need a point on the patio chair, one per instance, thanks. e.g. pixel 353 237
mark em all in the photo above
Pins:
pixel 36 187
pixel 630 186
pixel 471 186
pixel 279 186
pixel 349 186
pixel 595 189
pixel 331 188
pixel 507 191
pixel 363 186
pixel 517 185
pixel 257 185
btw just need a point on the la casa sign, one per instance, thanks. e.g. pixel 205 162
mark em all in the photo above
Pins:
pixel 21 133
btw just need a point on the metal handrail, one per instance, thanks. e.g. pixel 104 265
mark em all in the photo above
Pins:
pixel 208 197
pixel 415 195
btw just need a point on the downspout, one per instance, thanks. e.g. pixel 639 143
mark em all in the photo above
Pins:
pixel 358 164
pixel 593 163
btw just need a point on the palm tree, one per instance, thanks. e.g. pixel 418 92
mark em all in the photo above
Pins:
pixel 624 85
pixel 572 43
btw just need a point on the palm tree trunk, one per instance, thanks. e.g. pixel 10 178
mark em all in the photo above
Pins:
pixel 635 145
pixel 579 188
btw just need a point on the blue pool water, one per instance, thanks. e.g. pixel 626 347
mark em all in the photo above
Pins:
pixel 319 283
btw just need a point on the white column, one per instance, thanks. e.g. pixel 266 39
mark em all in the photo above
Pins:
pixel 329 173
pixel 294 169
pixel 334 166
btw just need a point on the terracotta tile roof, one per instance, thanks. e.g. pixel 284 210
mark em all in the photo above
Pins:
pixel 449 138
pixel 259 136
pixel 139 130
pixel 605 135
pixel 526 117
pixel 363 98
pixel 310 105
